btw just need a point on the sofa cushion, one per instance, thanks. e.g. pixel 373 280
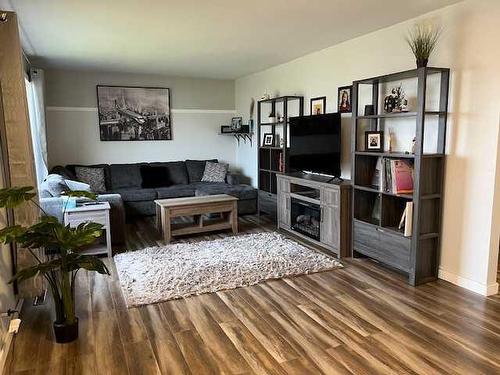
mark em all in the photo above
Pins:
pixel 176 171
pixel 195 169
pixel 214 172
pixel 125 176
pixel 92 176
pixel 176 191
pixel 136 194
pixel 238 191
pixel 72 169
pixel 154 176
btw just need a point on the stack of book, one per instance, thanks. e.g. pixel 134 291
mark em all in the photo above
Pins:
pixel 394 176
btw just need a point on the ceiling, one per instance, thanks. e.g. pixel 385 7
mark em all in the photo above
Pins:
pixel 198 38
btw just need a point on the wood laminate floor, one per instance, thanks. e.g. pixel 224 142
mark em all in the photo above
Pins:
pixel 362 319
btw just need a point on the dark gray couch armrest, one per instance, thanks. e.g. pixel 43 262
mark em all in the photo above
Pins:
pixel 116 216
pixel 233 178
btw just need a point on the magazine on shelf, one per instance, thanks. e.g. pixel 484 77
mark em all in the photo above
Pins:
pixel 378 175
pixel 397 176
pixel 407 219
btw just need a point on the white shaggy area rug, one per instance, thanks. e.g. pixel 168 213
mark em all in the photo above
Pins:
pixel 158 274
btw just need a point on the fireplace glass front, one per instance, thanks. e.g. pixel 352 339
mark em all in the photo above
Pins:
pixel 306 218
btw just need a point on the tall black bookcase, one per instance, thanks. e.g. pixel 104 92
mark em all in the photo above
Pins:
pixel 376 213
pixel 269 156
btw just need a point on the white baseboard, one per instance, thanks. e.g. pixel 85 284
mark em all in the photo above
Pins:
pixel 474 286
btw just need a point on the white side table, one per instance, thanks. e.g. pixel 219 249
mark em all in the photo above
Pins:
pixel 96 213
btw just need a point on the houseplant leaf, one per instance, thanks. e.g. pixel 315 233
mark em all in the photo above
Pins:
pixel 11 234
pixel 14 196
pixel 80 194
pixel 39 269
pixel 76 261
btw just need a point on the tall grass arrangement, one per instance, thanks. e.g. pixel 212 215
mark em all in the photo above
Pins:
pixel 422 41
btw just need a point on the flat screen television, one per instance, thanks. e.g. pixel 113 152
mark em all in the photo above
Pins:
pixel 315 144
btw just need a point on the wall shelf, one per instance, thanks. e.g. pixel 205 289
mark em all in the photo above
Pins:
pixel 240 136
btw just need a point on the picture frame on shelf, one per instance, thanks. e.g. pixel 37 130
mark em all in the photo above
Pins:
pixel 318 105
pixel 236 123
pixel 344 99
pixel 369 110
pixel 374 141
pixel 268 140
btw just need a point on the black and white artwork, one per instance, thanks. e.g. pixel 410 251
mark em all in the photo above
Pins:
pixel 134 113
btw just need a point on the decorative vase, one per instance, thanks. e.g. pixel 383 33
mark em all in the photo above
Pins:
pixel 421 63
pixel 65 333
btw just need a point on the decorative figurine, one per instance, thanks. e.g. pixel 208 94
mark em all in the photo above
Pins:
pixel 413 145
pixel 396 101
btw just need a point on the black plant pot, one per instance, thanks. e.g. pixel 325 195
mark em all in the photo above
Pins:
pixel 421 63
pixel 66 332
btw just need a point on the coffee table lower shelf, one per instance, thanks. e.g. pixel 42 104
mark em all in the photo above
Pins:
pixel 197 207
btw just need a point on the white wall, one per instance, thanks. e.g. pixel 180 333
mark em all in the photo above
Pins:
pixel 199 108
pixel 469 46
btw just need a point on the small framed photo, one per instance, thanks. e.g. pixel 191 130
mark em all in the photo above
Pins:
pixel 318 105
pixel 268 139
pixel 236 123
pixel 344 99
pixel 374 141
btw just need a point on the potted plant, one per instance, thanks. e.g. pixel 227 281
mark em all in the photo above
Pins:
pixel 422 41
pixel 60 262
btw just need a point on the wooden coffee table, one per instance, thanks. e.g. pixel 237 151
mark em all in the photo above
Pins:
pixel 167 209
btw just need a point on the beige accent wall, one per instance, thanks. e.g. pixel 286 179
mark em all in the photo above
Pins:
pixel 18 137
pixel 469 46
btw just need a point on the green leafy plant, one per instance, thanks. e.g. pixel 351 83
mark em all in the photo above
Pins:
pixel 422 41
pixel 61 261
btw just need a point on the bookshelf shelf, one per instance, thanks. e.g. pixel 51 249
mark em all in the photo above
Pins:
pixel 400 115
pixel 375 189
pixel 377 213
pixel 400 155
pixel 271 148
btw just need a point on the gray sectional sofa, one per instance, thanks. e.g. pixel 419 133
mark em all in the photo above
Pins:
pixel 124 182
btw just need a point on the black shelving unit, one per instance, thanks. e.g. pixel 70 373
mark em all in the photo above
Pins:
pixel 268 156
pixel 376 213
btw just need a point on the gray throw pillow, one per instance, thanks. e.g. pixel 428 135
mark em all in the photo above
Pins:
pixel 92 176
pixel 215 172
